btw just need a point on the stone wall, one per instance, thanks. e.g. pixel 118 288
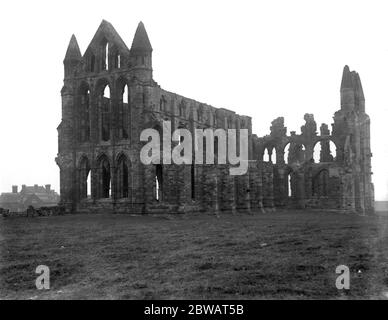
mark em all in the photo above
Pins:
pixel 106 106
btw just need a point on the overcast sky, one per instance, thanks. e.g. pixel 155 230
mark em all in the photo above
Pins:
pixel 260 58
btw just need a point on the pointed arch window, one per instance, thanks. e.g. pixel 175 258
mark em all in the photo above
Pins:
pixel 117 61
pixel 124 112
pixel 266 155
pixel 84 114
pixel 104 178
pixel 105 114
pixel 84 178
pixel 122 177
pixel 289 185
pixel 324 151
pixel 107 56
pixel 158 193
pixel 104 57
pixel 321 184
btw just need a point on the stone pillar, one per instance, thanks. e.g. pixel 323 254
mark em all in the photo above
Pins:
pixel 210 188
pixel 301 190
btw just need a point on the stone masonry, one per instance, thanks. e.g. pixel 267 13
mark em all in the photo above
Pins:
pixel 109 96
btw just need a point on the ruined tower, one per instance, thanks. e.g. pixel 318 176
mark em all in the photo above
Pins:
pixel 352 126
pixel 331 170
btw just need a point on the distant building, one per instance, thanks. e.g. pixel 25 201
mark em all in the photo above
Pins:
pixel 36 196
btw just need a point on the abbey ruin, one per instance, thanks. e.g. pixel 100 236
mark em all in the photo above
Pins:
pixel 109 96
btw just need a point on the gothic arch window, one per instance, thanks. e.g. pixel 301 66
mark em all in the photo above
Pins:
pixel 84 114
pixel 104 54
pixel 107 56
pixel 104 177
pixel 230 122
pixel 117 60
pixel 321 184
pixel 84 178
pixel 124 115
pixel 200 113
pixel 294 153
pixel 324 151
pixel 182 109
pixel 158 190
pixel 274 156
pixel 107 92
pixel 104 100
pixel 286 152
pixel 269 154
pixel 266 155
pixel 163 104
pixel 317 152
pixel 123 181
pixel 291 183
pixel 290 192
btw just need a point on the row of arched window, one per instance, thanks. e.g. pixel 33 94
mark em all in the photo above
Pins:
pixel 104 109
pixel 108 60
pixel 319 185
pixel 324 151
pixel 211 119
pixel 103 178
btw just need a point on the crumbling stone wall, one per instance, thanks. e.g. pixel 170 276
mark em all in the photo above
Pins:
pixel 109 96
pixel 342 181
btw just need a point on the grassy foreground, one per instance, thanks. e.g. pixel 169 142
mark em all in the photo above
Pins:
pixel 278 255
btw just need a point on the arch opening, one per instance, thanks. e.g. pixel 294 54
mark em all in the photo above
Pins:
pixel 117 61
pixel 324 151
pixel 84 179
pixel 269 155
pixel 266 155
pixel 84 114
pixel 122 178
pixel 89 184
pixel 124 113
pixel 321 184
pixel 286 152
pixel 104 178
pixel 289 186
pixel 158 191
pixel 294 153
pixel 105 114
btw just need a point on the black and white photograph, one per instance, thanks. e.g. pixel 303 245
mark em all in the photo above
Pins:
pixel 203 151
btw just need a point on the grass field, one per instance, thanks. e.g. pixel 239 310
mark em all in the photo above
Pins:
pixel 278 255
